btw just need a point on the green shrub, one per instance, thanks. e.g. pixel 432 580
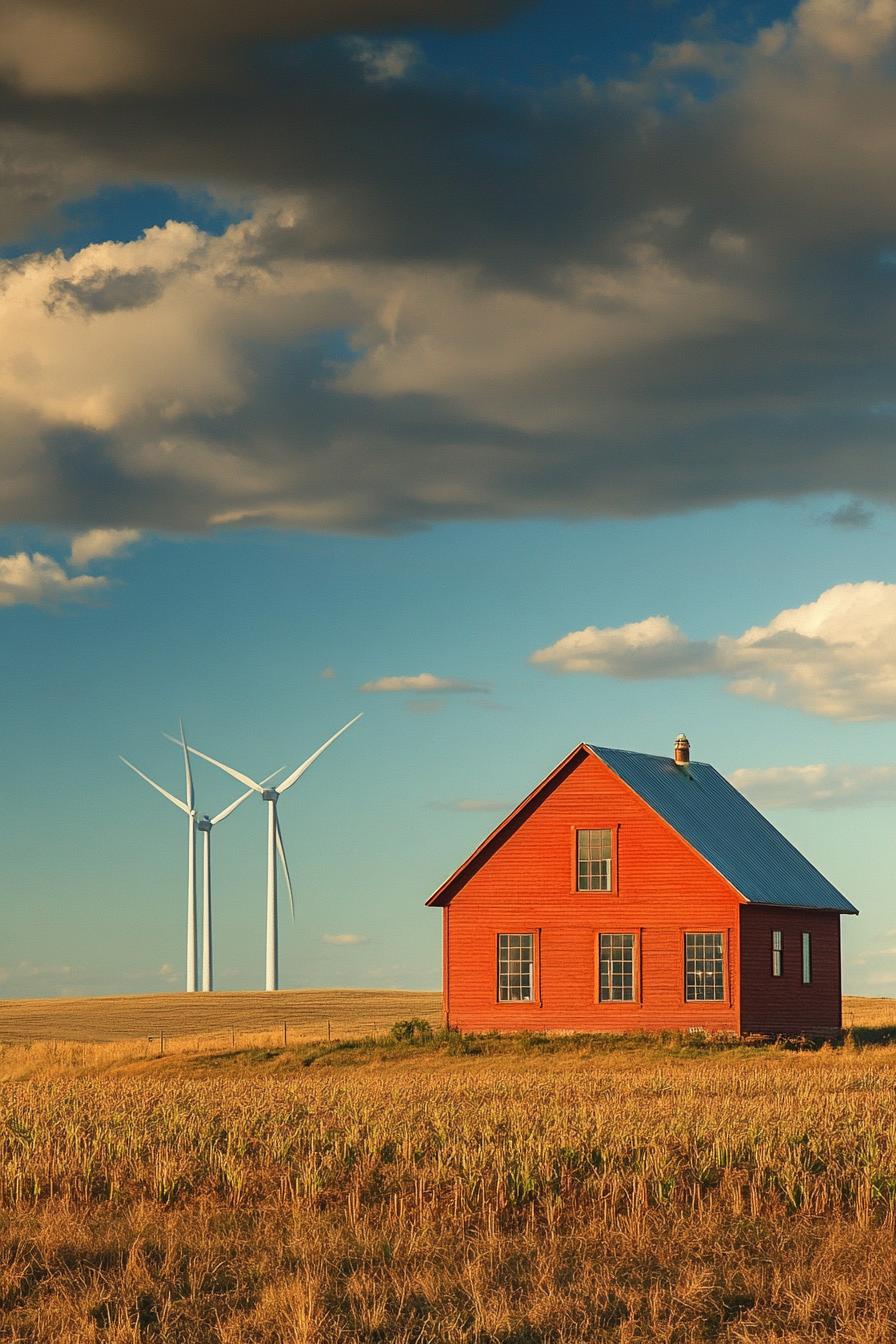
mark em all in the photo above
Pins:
pixel 412 1031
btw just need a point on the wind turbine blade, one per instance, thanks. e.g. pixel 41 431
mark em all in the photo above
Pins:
pixel 178 802
pixel 191 796
pixel 232 808
pixel 297 773
pixel 242 798
pixel 281 850
pixel 228 770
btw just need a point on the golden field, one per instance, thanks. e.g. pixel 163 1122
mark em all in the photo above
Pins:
pixel 219 1019
pixel 475 1190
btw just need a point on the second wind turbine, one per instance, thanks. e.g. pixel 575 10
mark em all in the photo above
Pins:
pixel 275 842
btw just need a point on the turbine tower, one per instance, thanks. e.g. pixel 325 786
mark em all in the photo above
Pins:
pixel 204 824
pixel 186 806
pixel 275 843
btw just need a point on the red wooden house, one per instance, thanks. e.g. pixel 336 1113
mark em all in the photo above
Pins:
pixel 632 892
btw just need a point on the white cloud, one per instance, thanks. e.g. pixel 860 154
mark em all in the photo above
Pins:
pixel 345 939
pixel 817 786
pixel 424 683
pixel 649 648
pixel 40 581
pixel 835 657
pixel 100 543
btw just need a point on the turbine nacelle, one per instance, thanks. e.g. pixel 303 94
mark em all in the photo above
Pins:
pixel 204 824
pixel 275 837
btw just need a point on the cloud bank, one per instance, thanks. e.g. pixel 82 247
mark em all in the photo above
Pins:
pixel 612 299
pixel 95 46
pixel 817 786
pixel 834 657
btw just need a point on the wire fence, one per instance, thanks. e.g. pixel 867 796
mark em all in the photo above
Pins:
pixel 178 1039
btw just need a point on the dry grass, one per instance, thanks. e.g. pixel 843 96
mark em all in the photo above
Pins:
pixel 520 1191
pixel 867 1012
pixel 209 1019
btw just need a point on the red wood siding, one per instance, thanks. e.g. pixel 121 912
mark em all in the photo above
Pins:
pixel 522 883
pixel 783 1004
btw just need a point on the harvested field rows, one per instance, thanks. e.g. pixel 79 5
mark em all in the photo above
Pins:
pixel 220 1020
pixel 215 1020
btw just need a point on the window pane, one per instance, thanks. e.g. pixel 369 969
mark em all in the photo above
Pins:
pixel 617 961
pixel 807 958
pixel 704 979
pixel 594 850
pixel 515 967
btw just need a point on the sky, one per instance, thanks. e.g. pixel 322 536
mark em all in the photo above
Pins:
pixel 517 374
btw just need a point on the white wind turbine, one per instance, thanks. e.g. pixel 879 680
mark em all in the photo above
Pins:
pixel 205 824
pixel 187 807
pixel 275 842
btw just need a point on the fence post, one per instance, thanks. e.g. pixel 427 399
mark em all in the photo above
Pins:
pixel 329 1033
pixel 284 1035
pixel 231 1038
pixel 161 1041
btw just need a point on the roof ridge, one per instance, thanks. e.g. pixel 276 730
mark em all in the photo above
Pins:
pixel 727 831
pixel 648 755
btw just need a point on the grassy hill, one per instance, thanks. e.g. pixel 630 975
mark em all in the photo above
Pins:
pixel 215 1019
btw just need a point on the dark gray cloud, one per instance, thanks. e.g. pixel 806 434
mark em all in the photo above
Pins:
pixel 455 303
pixel 106 291
pixel 853 514
pixel 93 46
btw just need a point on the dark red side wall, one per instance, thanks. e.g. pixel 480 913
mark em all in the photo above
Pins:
pixel 526 884
pixel 784 1004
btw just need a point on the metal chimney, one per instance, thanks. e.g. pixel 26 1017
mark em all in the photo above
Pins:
pixel 682 750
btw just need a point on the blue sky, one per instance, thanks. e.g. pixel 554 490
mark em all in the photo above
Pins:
pixel 409 405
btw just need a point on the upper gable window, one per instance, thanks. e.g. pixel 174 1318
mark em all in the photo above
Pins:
pixel 594 860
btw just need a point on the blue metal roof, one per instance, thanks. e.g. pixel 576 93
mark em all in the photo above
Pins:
pixel 726 831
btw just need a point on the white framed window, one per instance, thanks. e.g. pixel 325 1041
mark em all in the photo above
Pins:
pixel 594 860
pixel 616 967
pixel 777 957
pixel 807 958
pixel 704 967
pixel 516 967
